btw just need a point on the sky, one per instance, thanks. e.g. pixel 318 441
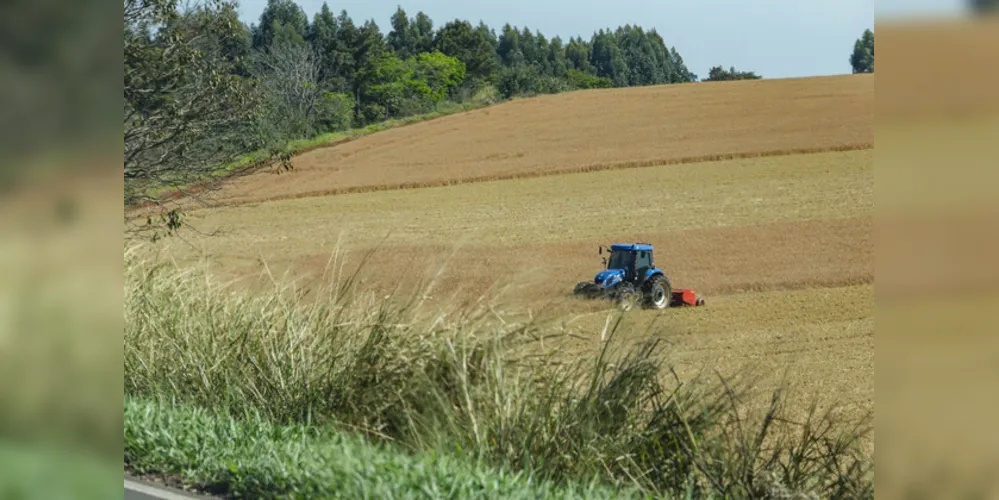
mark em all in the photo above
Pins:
pixel 774 38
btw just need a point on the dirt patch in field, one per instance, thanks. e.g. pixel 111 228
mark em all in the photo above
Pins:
pixel 586 131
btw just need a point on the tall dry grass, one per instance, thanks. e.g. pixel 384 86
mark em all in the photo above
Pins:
pixel 471 382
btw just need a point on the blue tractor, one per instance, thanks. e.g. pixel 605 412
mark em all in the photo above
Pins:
pixel 631 277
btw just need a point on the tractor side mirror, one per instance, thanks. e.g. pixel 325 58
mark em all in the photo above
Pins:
pixel 601 250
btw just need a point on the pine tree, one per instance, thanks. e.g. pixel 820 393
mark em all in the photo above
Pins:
pixel 402 38
pixel 508 48
pixel 578 56
pixel 556 58
pixel 608 59
pixel 323 39
pixel 862 58
pixel 423 29
pixel 470 45
pixel 280 15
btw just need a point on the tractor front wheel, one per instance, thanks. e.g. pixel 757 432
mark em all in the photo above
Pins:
pixel 626 296
pixel 658 292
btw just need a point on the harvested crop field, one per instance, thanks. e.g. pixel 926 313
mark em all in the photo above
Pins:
pixel 781 247
pixel 736 225
pixel 772 224
pixel 586 131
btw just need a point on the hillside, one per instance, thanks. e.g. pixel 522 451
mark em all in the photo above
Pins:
pixel 586 130
pixel 781 246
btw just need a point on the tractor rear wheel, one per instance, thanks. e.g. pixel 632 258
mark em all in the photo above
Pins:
pixel 658 292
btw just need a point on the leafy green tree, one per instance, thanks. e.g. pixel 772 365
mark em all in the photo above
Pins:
pixel 280 15
pixel 367 50
pixel 185 108
pixel 553 85
pixel 410 36
pixel 233 44
pixel 578 55
pixel 522 79
pixel 283 33
pixel 581 80
pixel 369 45
pixel 644 68
pixel 335 112
pixel 556 59
pixel 423 29
pixel 608 60
pixel 862 59
pixel 402 38
pixel 720 74
pixel 469 45
pixel 398 87
pixel 530 47
pixel 673 67
pixel 508 47
pixel 437 73
pixel 488 37
pixel 387 80
pixel 543 48
pixel 680 73
pixel 649 60
pixel 323 37
pixel 344 44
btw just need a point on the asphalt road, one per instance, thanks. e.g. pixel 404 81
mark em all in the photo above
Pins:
pixel 136 489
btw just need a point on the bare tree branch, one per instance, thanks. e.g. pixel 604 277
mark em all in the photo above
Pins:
pixel 186 112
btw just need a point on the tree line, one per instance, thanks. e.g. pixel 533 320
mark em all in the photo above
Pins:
pixel 417 63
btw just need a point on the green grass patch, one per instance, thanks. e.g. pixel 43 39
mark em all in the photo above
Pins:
pixel 254 458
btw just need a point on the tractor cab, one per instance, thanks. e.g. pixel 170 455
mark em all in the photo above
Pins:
pixel 634 259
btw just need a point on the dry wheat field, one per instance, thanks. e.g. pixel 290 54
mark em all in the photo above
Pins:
pixel 759 195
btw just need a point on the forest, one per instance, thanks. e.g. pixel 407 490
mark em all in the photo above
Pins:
pixel 417 63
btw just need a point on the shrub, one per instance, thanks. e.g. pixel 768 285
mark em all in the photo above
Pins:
pixel 581 80
pixel 336 111
pixel 487 95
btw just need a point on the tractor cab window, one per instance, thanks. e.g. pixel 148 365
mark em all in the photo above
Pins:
pixel 643 263
pixel 621 259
